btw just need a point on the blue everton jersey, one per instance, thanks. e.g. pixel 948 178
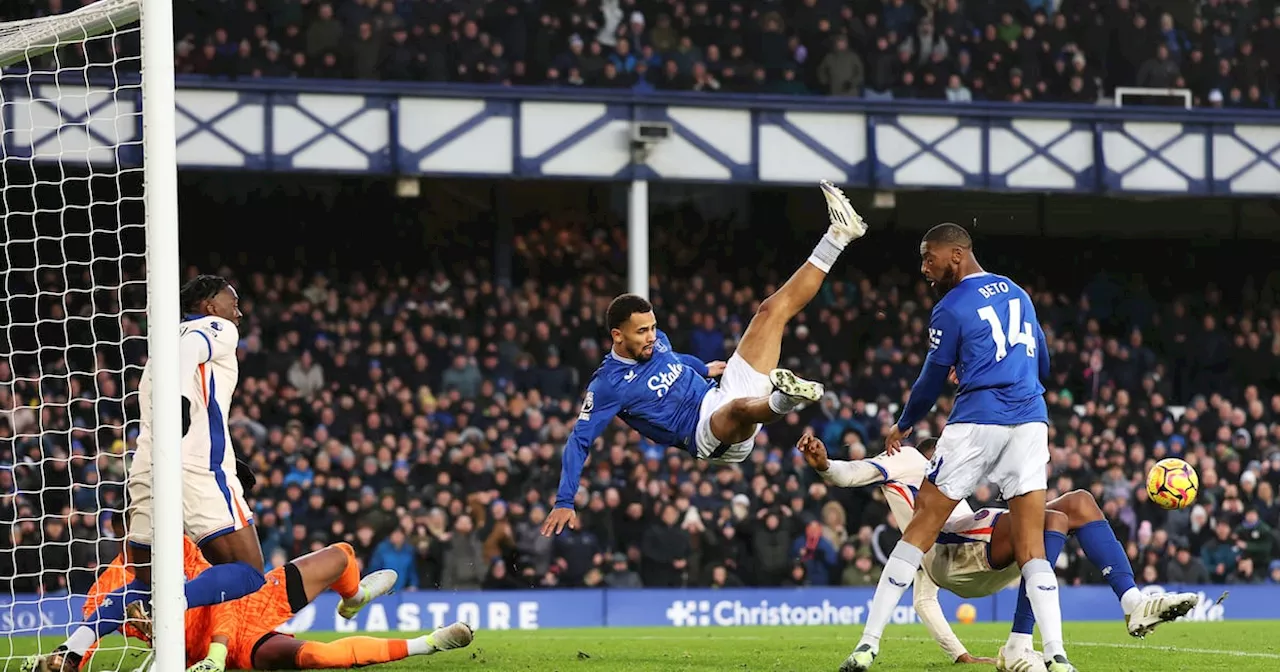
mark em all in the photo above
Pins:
pixel 659 398
pixel 986 328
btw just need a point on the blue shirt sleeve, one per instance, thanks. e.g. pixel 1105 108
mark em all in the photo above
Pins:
pixel 598 408
pixel 944 352
pixel 693 363
pixel 924 393
pixel 1042 354
pixel 944 338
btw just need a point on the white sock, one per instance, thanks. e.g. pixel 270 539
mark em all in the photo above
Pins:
pixel 80 640
pixel 1018 641
pixel 826 252
pixel 1042 592
pixel 1131 600
pixel 898 574
pixel 782 404
pixel 418 646
pixel 361 596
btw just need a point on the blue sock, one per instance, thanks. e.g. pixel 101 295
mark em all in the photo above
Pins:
pixel 1100 545
pixel 109 616
pixel 220 583
pixel 1024 621
pixel 223 583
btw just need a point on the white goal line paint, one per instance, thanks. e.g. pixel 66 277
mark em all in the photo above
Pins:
pixel 695 634
pixel 1141 647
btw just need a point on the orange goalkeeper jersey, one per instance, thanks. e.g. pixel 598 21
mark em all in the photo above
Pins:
pixel 244 621
pixel 117 576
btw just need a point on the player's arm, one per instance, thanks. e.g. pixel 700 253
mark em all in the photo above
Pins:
pixel 694 363
pixel 1042 354
pixel 205 341
pixel 599 406
pixel 838 473
pixel 925 601
pixel 944 349
pixel 199 344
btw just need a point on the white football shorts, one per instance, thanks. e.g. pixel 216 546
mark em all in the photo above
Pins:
pixel 1013 457
pixel 960 561
pixel 739 381
pixel 213 505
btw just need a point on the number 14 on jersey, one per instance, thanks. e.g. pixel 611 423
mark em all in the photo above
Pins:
pixel 1019 332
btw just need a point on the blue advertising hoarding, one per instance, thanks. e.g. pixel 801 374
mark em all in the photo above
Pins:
pixel 695 607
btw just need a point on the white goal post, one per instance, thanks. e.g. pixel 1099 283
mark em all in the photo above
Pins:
pixel 1183 95
pixel 90 273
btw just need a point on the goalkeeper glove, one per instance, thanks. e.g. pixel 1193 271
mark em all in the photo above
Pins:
pixel 245 473
pixel 186 415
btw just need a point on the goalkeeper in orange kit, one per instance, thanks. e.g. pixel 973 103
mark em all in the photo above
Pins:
pixel 242 634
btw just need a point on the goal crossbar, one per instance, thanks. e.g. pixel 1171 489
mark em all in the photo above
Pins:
pixel 28 39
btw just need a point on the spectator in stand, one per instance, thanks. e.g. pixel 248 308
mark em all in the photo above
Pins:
pixel 814 46
pixel 445 396
pixel 395 554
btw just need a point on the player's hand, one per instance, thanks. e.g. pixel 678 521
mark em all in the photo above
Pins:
pixel 715 369
pixel 970 658
pixel 893 442
pixel 557 520
pixel 815 453
pixel 952 377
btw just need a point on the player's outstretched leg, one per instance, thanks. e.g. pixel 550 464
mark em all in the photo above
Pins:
pixel 1142 613
pixel 1019 654
pixel 335 567
pixel 287 653
pixel 761 344
pixel 932 510
pixel 1027 512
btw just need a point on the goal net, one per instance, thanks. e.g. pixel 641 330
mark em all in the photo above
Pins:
pixel 73 312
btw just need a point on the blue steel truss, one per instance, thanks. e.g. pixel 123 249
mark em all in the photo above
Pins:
pixel 854 173
pixel 379 159
pixel 353 127
pixel 1261 152
pixel 253 100
pixel 16 94
pixel 1083 180
pixel 1160 155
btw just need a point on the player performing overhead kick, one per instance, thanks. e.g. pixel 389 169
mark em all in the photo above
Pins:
pixel 667 397
pixel 973 557
pixel 214 510
pixel 242 634
pixel 985 327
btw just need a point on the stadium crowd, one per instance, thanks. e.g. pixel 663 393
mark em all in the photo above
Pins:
pixel 420 418
pixel 1224 51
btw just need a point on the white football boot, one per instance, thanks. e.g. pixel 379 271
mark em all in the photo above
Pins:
pixel 452 636
pixel 860 660
pixel 1157 609
pixel 376 584
pixel 846 224
pixel 1026 660
pixel 795 387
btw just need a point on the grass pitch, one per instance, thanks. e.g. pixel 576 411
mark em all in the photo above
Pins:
pixel 1237 646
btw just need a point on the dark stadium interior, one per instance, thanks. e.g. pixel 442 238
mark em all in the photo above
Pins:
pixel 410 368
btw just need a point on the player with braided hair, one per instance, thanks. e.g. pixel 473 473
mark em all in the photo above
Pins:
pixel 214 511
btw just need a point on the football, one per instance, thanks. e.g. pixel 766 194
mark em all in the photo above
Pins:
pixel 1173 484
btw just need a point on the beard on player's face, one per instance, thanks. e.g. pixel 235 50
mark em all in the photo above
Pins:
pixel 946 280
pixel 642 352
pixel 636 347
